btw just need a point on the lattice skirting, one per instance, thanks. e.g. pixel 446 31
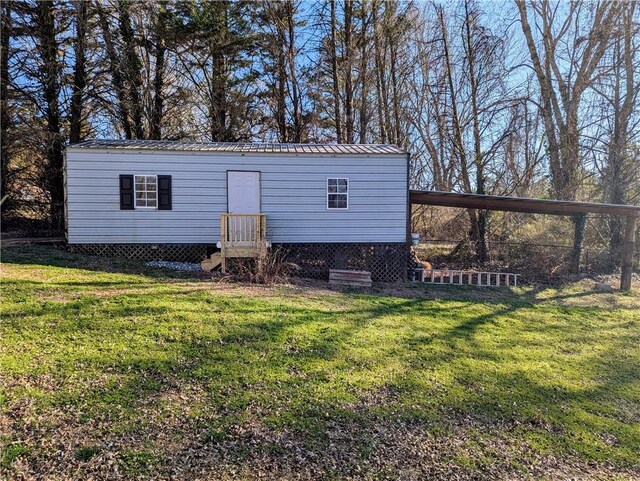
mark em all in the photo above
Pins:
pixel 387 262
pixel 146 252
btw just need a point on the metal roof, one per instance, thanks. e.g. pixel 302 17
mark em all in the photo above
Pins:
pixel 242 147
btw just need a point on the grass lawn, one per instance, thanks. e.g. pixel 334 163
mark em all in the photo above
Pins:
pixel 111 370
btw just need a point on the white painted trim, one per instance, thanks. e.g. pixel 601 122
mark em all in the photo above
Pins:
pixel 333 193
pixel 135 199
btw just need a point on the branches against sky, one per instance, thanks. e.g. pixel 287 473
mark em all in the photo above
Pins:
pixel 525 97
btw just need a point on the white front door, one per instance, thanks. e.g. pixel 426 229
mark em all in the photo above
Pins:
pixel 243 192
pixel 243 197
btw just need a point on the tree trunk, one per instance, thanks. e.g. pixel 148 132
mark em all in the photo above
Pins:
pixel 132 68
pixel 157 110
pixel 219 107
pixel 348 76
pixel 218 99
pixel 569 183
pixel 384 88
pixel 560 111
pixel 293 78
pixel 79 73
pixel 116 72
pixel 334 72
pixel 546 94
pixel 457 136
pixel 580 226
pixel 281 100
pixel 5 116
pixel 393 54
pixel 363 115
pixel 45 31
pixel 617 181
pixel 379 72
pixel 482 250
pixel 278 48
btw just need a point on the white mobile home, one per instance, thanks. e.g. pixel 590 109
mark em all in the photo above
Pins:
pixel 342 204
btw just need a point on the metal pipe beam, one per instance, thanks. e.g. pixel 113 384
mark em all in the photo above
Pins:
pixel 519 204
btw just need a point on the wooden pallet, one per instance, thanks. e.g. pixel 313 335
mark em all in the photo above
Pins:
pixel 350 278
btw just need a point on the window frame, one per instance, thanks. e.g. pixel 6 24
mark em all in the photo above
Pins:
pixel 337 193
pixel 135 192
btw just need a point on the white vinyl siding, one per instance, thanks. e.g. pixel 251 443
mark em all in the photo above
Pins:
pixel 293 196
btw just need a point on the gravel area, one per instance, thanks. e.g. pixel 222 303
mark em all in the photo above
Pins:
pixel 177 266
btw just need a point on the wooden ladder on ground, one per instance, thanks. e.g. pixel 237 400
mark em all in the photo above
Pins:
pixel 470 278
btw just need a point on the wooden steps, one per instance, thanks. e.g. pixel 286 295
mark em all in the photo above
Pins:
pixel 349 278
pixel 242 235
pixel 217 259
pixel 212 262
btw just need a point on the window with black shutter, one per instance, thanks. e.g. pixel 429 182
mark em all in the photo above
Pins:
pixel 145 192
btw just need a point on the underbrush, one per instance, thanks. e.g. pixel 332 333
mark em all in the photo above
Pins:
pixel 269 267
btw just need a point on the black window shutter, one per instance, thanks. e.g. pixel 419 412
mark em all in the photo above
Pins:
pixel 164 192
pixel 126 192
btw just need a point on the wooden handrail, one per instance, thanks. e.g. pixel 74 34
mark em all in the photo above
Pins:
pixel 243 229
pixel 241 235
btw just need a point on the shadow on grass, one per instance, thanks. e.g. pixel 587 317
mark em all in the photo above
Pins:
pixel 59 257
pixel 311 369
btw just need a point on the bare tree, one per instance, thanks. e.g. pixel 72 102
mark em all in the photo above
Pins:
pixel 465 116
pixel 363 72
pixel 214 40
pixel 566 62
pixel 298 127
pixel 5 115
pixel 347 61
pixel 380 70
pixel 281 67
pixel 621 96
pixel 433 78
pixel 334 73
pixel 76 115
pixel 159 45
pixel 45 31
pixel 132 67
pixel 115 70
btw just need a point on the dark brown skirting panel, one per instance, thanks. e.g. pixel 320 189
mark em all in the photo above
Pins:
pixel 146 252
pixel 387 262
